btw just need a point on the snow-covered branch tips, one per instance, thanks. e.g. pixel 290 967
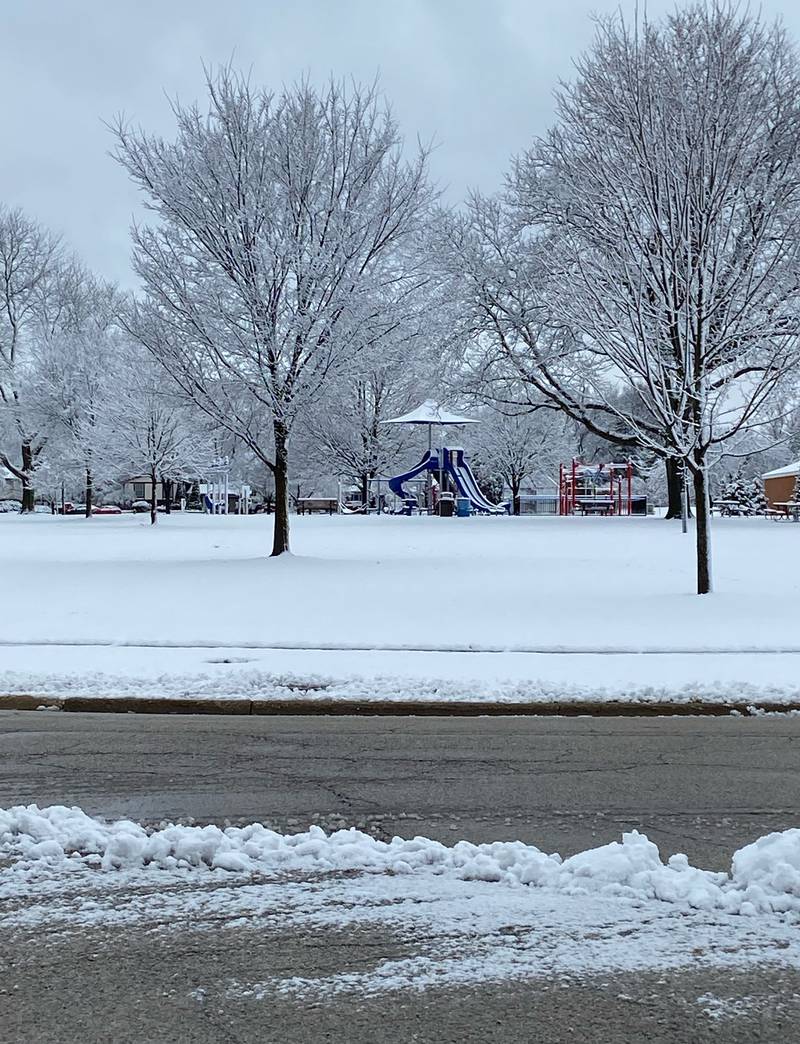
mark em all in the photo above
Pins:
pixel 286 238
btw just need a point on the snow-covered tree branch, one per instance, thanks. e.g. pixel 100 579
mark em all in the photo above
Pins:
pixel 29 300
pixel 76 363
pixel 282 222
pixel 145 431
pixel 651 241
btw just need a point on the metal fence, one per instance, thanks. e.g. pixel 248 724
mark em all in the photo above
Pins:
pixel 538 504
pixel 547 504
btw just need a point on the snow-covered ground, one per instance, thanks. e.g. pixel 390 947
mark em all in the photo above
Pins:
pixel 475 913
pixel 397 607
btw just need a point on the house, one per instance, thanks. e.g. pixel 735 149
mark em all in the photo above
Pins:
pixel 140 487
pixel 779 484
pixel 10 488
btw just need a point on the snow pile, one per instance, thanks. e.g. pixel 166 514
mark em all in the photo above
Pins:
pixel 768 872
pixel 765 875
pixel 263 686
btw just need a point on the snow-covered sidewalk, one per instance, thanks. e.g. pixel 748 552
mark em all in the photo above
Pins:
pixel 475 912
pixel 264 675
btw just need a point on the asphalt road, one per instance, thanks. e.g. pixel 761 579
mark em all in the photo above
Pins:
pixel 702 786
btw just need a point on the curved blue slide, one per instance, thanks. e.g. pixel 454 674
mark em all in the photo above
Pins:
pixel 430 462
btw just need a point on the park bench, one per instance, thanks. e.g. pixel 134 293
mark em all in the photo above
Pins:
pixel 320 505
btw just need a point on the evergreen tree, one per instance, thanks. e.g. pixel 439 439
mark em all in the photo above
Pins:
pixel 758 498
pixel 737 493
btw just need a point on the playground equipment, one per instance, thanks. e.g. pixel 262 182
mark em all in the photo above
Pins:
pixel 448 464
pixel 595 489
pixel 215 489
pixel 431 415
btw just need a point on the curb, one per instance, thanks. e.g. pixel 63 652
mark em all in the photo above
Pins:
pixel 388 708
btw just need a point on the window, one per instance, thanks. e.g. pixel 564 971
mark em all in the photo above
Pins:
pixel 138 491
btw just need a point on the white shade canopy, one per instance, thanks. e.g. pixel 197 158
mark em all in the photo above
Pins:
pixel 430 412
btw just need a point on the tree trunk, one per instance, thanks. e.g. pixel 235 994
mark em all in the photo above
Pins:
pixel 89 492
pixel 703 513
pixel 515 498
pixel 674 470
pixel 153 498
pixel 166 486
pixel 27 478
pixel 280 537
pixel 365 490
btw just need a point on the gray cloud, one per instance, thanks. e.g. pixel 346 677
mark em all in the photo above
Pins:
pixel 477 76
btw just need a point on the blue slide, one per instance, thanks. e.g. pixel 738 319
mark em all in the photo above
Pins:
pixel 430 462
pixel 458 469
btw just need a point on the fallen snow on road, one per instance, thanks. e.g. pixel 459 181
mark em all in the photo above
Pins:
pixel 730 1008
pixel 465 913
pixel 764 878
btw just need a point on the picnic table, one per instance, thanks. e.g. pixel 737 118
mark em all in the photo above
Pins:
pixel 788 510
pixel 595 505
pixel 726 507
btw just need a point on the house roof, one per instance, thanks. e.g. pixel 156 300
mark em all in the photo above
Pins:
pixel 785 472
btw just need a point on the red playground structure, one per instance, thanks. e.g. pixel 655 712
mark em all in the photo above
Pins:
pixel 595 489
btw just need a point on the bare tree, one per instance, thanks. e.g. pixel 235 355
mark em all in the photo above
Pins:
pixel 672 177
pixel 75 363
pixel 517 446
pixel 391 374
pixel 347 433
pixel 516 351
pixel 143 430
pixel 29 259
pixel 662 213
pixel 281 219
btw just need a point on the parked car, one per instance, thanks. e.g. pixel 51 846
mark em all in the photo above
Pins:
pixel 8 507
pixel 107 509
pixel 141 505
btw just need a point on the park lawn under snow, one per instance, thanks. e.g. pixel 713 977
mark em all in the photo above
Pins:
pixel 481 606
pixel 471 913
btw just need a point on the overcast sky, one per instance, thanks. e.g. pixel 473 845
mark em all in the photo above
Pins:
pixel 475 75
